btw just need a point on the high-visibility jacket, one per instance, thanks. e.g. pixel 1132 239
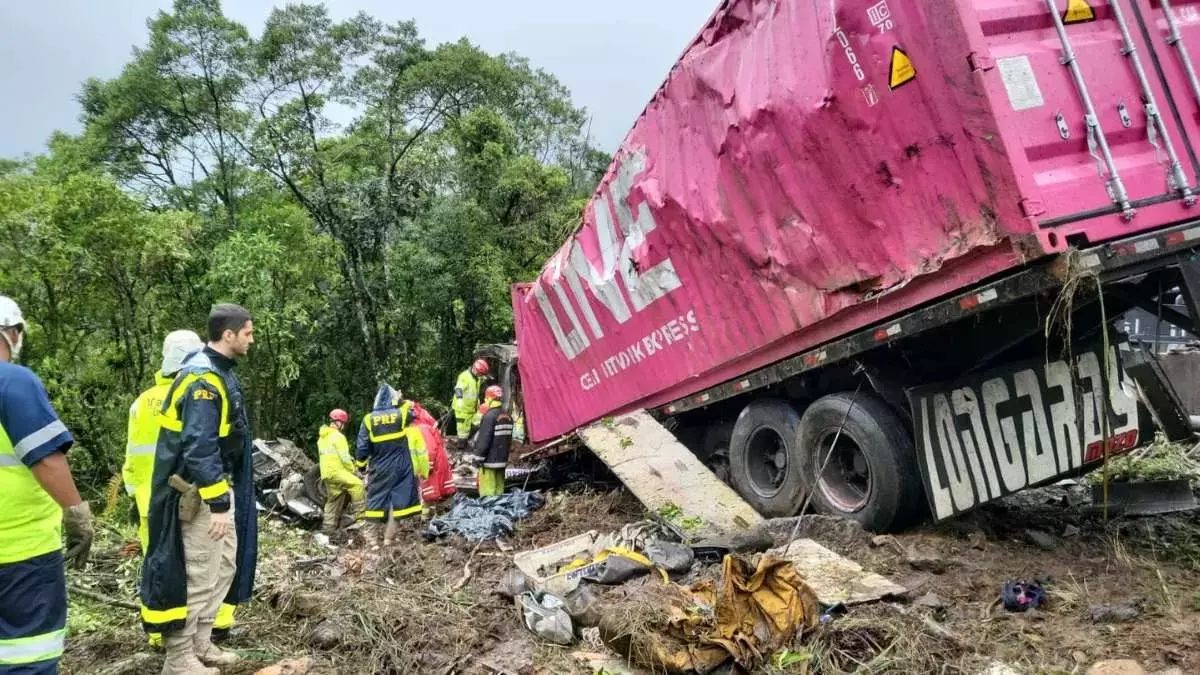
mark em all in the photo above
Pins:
pixel 466 399
pixel 33 592
pixel 30 430
pixel 205 436
pixel 142 439
pixel 337 465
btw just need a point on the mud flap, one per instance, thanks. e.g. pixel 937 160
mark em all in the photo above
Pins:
pixel 667 477
pixel 1158 395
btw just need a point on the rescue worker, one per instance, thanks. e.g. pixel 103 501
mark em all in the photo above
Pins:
pixel 203 532
pixel 143 424
pixel 342 485
pixel 391 448
pixel 143 431
pixel 493 443
pixel 440 483
pixel 37 496
pixel 466 398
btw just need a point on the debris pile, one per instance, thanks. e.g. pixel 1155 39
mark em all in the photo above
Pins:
pixel 479 518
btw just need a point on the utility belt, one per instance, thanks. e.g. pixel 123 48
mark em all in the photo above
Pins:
pixel 189 496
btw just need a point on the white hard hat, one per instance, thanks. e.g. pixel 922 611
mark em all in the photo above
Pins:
pixel 10 313
pixel 176 347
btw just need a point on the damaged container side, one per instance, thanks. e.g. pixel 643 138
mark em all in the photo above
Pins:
pixel 802 160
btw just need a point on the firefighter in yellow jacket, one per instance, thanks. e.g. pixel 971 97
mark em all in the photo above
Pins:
pixel 337 470
pixel 466 398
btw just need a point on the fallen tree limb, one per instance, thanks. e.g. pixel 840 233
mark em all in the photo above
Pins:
pixel 92 595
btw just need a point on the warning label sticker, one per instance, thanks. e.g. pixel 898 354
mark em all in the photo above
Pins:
pixel 1019 81
pixel 902 71
pixel 1078 11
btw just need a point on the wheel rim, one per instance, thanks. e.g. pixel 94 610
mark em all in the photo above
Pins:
pixel 846 481
pixel 768 462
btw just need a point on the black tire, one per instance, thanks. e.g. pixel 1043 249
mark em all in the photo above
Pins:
pixel 764 461
pixel 873 477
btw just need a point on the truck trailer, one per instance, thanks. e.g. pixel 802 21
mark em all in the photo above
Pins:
pixel 868 254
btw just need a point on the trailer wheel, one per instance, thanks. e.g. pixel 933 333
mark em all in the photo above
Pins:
pixel 870 469
pixel 764 460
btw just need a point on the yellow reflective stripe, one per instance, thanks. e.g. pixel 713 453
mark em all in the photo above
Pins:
pixel 386 437
pixel 224 616
pixel 32 649
pixel 140 449
pixel 215 490
pixel 373 514
pixel 169 419
pixel 161 616
pixel 406 512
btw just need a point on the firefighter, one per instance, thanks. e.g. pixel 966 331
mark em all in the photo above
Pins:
pixel 37 497
pixel 203 532
pixel 391 448
pixel 342 485
pixel 492 443
pixel 466 397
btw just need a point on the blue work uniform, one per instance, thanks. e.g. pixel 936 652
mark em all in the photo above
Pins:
pixel 205 439
pixel 383 447
pixel 33 584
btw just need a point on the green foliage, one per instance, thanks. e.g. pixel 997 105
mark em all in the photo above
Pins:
pixel 368 197
pixel 1161 460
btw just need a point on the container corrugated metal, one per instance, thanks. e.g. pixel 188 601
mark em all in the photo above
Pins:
pixel 809 168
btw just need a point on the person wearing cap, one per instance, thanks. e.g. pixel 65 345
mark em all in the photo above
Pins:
pixel 466 397
pixel 144 426
pixel 493 443
pixel 391 448
pixel 342 485
pixel 37 498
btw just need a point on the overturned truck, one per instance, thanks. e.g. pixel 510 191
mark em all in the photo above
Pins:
pixel 871 253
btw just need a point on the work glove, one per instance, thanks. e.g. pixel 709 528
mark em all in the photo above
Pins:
pixel 220 524
pixel 77 520
pixel 474 460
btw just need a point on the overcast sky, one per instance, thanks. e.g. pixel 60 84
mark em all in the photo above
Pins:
pixel 612 55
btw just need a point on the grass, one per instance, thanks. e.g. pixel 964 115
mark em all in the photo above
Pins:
pixel 1161 460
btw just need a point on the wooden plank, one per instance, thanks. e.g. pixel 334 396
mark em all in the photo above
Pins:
pixel 664 474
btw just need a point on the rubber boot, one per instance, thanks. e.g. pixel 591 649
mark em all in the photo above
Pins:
pixel 181 657
pixel 208 653
pixel 356 511
pixel 389 533
pixel 371 532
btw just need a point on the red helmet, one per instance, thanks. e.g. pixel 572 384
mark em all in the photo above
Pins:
pixel 493 392
pixel 480 367
pixel 339 415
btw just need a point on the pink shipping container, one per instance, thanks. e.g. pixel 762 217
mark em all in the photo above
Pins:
pixel 808 169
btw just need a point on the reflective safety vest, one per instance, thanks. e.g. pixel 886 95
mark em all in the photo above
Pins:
pixel 30 519
pixel 138 469
pixel 334 453
pixel 143 435
pixel 466 397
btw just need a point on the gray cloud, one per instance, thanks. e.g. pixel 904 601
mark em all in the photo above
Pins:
pixel 612 55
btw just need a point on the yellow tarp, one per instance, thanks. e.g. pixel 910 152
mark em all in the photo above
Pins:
pixel 752 614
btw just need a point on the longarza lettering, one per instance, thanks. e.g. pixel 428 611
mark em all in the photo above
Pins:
pixel 991 435
pixel 570 270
